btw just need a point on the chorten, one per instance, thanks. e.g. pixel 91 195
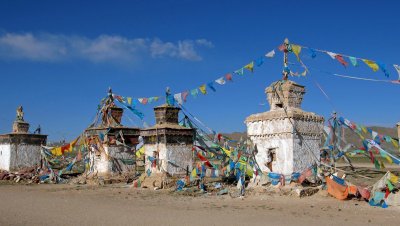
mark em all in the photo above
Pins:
pixel 167 143
pixel 112 145
pixel 287 137
pixel 20 149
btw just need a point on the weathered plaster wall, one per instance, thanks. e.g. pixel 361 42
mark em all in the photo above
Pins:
pixel 5 152
pixel 17 156
pixel 111 161
pixel 24 155
pixel 181 155
pixel 279 134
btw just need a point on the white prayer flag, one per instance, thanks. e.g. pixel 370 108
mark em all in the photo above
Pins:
pixel 270 54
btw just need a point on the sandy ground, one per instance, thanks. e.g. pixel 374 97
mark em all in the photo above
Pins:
pixel 120 205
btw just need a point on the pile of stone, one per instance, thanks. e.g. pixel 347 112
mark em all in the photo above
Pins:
pixel 28 175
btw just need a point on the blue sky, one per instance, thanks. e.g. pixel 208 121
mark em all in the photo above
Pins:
pixel 57 59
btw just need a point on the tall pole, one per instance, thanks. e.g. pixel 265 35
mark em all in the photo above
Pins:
pixel 285 59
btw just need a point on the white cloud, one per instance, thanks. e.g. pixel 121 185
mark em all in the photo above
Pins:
pixel 204 42
pixel 104 48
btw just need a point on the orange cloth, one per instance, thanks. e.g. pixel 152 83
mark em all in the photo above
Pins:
pixel 336 190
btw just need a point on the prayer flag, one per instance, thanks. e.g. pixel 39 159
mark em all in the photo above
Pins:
pixel 211 86
pixel 239 71
pixel 312 53
pixel 221 81
pixel 353 61
pixel 250 66
pixel 393 178
pixel 66 148
pixel 140 152
pixel 304 73
pixel 228 77
pixel 184 95
pixel 270 54
pixel 371 64
pixel 374 134
pixel 155 98
pixel 194 92
pixel 296 50
pixel 341 60
pixel 383 69
pixel 332 55
pixel 178 98
pixel 390 185
pixel 389 159
pixel 202 89
pixel 193 175
pixel 136 112
pixel 129 100
pixel 364 129
pixel 397 67
pixel 394 142
pixel 259 61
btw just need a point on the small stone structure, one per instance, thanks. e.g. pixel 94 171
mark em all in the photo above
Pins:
pixel 112 145
pixel 287 138
pixel 168 142
pixel 20 149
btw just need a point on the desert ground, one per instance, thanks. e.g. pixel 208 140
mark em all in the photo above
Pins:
pixel 119 204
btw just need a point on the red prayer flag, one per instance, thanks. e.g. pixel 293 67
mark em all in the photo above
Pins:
pixel 341 60
pixel 282 47
pixel 203 159
pixel 184 95
pixel 228 77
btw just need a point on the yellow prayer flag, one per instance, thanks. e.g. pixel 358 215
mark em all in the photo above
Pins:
pixel 56 151
pixel 193 174
pixel 364 129
pixel 203 89
pixel 394 142
pixel 304 73
pixel 65 148
pixel 250 66
pixel 227 152
pixel 393 178
pixel 389 159
pixel 296 50
pixel 249 171
pixel 371 64
pixel 140 152
pixel 129 100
